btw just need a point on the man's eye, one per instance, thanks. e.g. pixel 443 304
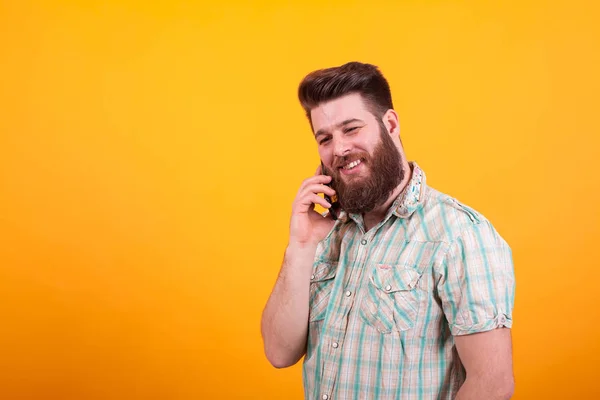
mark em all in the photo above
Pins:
pixel 324 141
pixel 351 129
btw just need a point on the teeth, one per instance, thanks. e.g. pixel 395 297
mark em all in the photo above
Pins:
pixel 352 164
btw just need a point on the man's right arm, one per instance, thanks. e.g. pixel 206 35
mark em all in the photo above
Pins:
pixel 284 324
pixel 285 318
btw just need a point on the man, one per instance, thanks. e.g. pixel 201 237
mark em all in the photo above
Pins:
pixel 408 294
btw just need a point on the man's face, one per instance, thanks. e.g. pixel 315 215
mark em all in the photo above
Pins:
pixel 358 152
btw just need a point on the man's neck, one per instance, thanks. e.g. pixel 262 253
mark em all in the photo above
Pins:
pixel 372 218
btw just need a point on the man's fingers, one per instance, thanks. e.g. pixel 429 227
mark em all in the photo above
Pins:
pixel 308 202
pixel 322 179
pixel 319 188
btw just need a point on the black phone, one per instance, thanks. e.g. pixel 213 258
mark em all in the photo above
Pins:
pixel 334 210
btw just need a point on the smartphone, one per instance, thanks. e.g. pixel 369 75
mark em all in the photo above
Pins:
pixel 334 210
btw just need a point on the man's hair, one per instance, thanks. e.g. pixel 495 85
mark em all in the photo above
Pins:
pixel 353 77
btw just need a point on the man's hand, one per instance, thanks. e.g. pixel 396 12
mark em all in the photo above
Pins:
pixel 308 227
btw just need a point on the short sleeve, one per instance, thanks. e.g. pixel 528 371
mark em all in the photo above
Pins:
pixel 476 282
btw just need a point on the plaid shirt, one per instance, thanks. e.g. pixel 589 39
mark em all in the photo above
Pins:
pixel 385 304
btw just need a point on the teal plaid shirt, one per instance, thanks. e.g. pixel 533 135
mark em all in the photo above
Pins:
pixel 385 305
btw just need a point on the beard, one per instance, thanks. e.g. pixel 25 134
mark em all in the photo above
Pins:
pixel 358 195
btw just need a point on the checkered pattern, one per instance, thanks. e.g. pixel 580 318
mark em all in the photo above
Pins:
pixel 385 305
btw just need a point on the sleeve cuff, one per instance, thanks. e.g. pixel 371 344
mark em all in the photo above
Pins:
pixel 500 321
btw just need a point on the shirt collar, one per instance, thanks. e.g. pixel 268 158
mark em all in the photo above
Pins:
pixel 408 201
pixel 412 196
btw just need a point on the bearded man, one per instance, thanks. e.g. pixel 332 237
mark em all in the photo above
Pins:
pixel 400 291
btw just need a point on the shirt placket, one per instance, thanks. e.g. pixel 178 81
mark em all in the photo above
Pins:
pixel 335 334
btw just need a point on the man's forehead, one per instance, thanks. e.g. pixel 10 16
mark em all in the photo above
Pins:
pixel 334 112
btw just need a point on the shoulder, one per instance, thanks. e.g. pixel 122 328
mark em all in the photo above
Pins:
pixel 451 218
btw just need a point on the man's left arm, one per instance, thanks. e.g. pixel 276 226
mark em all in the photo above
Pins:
pixel 487 358
pixel 476 286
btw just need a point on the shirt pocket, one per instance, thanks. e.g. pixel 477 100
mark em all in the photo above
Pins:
pixel 391 302
pixel 321 284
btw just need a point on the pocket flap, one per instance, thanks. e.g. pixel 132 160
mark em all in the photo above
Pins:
pixel 392 278
pixel 323 270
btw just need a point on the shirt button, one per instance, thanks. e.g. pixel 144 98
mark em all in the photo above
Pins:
pixel 325 397
pixel 502 319
pixel 364 241
pixel 335 345
pixel 388 288
pixel 348 293
pixel 312 277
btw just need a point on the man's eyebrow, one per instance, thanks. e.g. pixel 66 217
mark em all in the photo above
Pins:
pixel 324 131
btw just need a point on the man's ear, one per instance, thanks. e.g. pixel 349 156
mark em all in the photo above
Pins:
pixel 392 122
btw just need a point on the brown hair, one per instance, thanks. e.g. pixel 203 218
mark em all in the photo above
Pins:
pixel 353 77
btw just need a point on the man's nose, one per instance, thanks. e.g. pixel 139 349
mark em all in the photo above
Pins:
pixel 341 147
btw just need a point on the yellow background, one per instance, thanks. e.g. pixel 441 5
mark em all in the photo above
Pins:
pixel 150 152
